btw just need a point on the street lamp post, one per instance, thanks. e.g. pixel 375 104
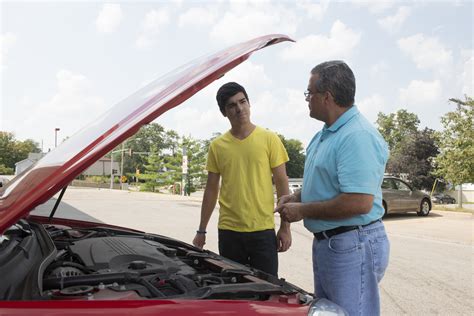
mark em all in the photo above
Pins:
pixel 56 130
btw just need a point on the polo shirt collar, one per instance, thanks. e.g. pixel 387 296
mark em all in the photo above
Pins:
pixel 343 119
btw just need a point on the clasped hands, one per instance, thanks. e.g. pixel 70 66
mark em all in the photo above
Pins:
pixel 290 210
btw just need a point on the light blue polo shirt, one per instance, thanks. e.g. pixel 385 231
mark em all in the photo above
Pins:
pixel 347 157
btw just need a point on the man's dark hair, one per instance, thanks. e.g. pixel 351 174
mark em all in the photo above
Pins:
pixel 336 77
pixel 226 92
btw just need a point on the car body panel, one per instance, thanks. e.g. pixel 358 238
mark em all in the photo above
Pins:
pixel 59 167
pixel 408 197
pixel 151 307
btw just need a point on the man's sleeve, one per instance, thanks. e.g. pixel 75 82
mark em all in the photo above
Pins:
pixel 361 161
pixel 278 154
pixel 212 160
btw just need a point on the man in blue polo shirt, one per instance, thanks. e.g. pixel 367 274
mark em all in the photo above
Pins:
pixel 341 198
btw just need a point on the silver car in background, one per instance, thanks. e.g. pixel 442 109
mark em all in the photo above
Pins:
pixel 398 196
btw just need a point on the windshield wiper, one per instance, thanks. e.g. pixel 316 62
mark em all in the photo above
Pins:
pixel 57 203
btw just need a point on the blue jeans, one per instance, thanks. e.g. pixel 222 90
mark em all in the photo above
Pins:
pixel 348 267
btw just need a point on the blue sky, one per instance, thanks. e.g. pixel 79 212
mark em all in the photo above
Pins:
pixel 64 63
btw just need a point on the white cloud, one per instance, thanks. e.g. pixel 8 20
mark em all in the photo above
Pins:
pixel 467 74
pixel 419 93
pixel 247 20
pixel 393 23
pixel 248 74
pixel 197 17
pixel 314 10
pixel 375 6
pixel 379 70
pixel 109 18
pixel 70 108
pixel 371 106
pixel 7 41
pixel 339 44
pixel 155 19
pixel 427 52
pixel 154 22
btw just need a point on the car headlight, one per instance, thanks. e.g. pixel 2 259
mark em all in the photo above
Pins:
pixel 324 307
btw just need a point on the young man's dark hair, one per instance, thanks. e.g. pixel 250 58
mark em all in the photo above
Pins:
pixel 227 91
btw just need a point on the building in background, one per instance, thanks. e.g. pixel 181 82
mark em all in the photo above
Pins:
pixel 24 164
pixel 102 168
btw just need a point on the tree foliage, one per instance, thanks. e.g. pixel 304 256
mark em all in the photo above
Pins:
pixel 197 154
pixel 164 165
pixel 141 144
pixel 295 150
pixel 456 143
pixel 13 151
pixel 395 127
pixel 412 151
pixel 414 156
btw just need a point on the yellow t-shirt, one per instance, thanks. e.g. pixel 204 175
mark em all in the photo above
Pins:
pixel 246 195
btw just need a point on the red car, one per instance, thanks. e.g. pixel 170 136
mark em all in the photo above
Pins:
pixel 57 266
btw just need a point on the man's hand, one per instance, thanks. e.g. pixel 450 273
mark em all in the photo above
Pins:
pixel 286 199
pixel 199 240
pixel 283 239
pixel 290 212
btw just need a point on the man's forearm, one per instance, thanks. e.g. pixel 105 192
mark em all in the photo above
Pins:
pixel 284 224
pixel 208 205
pixel 345 205
pixel 281 185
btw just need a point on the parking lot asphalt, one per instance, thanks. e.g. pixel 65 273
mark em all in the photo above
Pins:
pixel 431 259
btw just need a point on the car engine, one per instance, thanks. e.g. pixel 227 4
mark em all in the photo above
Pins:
pixel 103 263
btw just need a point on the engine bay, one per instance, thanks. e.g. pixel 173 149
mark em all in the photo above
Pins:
pixel 101 263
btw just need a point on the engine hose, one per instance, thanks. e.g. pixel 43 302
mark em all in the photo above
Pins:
pixel 108 278
pixel 90 279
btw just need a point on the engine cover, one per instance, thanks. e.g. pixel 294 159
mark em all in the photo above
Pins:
pixel 119 254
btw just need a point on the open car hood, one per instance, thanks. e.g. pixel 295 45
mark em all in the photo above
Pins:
pixel 54 171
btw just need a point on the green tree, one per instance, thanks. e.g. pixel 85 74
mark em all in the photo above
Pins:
pixel 5 170
pixel 152 169
pixel 13 151
pixel 295 150
pixel 7 150
pixel 456 142
pixel 412 151
pixel 395 127
pixel 197 154
pixel 172 142
pixel 415 157
pixel 141 145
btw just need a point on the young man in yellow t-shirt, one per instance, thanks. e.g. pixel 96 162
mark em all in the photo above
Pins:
pixel 246 157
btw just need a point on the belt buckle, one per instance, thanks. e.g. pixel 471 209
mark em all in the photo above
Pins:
pixel 325 235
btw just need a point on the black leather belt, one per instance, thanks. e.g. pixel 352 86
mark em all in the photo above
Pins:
pixel 338 230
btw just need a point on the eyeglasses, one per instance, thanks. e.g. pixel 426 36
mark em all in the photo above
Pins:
pixel 307 94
